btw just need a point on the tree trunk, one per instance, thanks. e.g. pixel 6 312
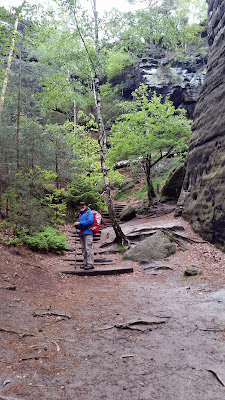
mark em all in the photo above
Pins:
pixel 57 166
pixel 102 140
pixel 5 82
pixel 74 116
pixel 120 237
pixel 147 167
pixel 18 116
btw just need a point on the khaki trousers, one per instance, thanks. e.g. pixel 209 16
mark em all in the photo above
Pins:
pixel 87 249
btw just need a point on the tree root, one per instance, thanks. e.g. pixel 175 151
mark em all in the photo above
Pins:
pixel 133 325
pixel 9 398
pixel 54 313
pixel 217 376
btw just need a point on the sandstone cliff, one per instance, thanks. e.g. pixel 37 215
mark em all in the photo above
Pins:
pixel 180 80
pixel 204 186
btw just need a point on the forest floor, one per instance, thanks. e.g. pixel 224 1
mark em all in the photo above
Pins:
pixel 67 337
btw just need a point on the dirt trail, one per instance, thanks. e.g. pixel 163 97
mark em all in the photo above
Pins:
pixel 68 337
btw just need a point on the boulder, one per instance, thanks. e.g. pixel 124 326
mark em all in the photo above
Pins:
pixel 173 185
pixel 128 213
pixel 156 247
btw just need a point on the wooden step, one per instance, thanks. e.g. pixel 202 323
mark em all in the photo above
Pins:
pixel 78 238
pixel 99 271
pixel 96 260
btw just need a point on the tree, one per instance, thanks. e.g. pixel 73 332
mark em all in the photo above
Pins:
pixel 174 24
pixel 151 130
pixel 6 78
pixel 94 63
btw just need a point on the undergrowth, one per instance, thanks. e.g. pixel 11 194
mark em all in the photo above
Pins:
pixel 50 239
pixel 47 240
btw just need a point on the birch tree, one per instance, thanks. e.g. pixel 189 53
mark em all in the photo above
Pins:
pixel 9 62
pixel 93 61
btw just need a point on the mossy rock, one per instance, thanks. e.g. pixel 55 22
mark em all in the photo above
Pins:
pixel 155 247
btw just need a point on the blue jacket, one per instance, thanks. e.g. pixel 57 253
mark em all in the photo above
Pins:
pixel 85 221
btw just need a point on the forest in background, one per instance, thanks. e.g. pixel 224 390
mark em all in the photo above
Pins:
pixel 57 146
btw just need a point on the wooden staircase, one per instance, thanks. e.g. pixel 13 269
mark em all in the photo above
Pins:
pixel 105 215
pixel 104 265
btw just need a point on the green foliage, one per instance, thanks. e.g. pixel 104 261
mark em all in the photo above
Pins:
pixel 60 82
pixel 110 103
pixel 117 60
pixel 82 189
pixel 149 131
pixel 150 127
pixel 121 249
pixel 30 200
pixel 49 239
pixel 176 26
pixel 121 195
pixel 142 193
pixel 56 202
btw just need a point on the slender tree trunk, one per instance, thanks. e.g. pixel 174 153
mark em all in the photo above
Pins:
pixel 74 115
pixel 102 140
pixel 120 237
pixel 5 82
pixel 57 166
pixel 148 166
pixel 18 116
pixel 32 154
pixel 94 71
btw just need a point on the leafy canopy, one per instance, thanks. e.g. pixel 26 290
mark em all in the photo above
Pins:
pixel 148 127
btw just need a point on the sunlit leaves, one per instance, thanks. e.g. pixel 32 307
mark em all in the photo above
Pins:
pixel 117 60
pixel 152 127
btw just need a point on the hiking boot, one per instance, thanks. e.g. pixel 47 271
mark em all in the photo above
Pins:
pixel 89 267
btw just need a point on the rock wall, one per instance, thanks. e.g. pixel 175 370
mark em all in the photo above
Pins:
pixel 204 185
pixel 181 81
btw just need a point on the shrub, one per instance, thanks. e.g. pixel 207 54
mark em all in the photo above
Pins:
pixel 49 239
pixel 83 190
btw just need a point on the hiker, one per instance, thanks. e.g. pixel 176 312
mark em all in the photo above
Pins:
pixel 84 223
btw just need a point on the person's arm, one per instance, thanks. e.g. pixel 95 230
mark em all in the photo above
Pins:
pixel 86 222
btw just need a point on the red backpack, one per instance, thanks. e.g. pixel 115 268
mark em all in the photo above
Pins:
pixel 95 227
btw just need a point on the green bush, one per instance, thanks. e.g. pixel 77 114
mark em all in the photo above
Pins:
pixel 83 190
pixel 50 239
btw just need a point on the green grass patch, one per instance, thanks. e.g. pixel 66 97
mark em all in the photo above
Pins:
pixel 142 193
pixel 121 195
pixel 121 249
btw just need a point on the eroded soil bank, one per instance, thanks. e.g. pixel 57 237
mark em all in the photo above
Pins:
pixel 69 337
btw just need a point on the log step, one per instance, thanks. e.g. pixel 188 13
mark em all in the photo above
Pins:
pixel 96 260
pixel 96 272
pixel 99 263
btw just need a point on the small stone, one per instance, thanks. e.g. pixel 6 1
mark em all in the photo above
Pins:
pixel 192 272
pixel 12 287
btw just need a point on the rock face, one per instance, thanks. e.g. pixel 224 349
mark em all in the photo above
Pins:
pixel 204 185
pixel 180 81
pixel 173 185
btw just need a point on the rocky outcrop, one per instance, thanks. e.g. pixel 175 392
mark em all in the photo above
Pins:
pixel 180 81
pixel 174 183
pixel 204 186
pixel 128 213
